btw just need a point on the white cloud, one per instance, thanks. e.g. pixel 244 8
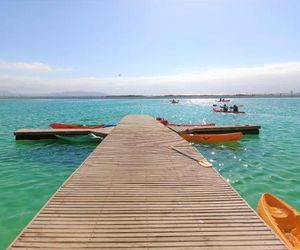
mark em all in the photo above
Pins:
pixel 272 78
pixel 22 66
pixel 29 67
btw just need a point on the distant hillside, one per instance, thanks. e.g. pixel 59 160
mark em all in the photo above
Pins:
pixel 76 94
pixel 95 95
pixel 6 93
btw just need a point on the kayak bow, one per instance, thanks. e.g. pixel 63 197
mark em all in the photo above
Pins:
pixel 282 218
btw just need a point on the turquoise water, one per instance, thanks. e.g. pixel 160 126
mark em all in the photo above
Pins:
pixel 31 171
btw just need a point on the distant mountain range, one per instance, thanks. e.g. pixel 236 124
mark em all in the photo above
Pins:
pixel 68 94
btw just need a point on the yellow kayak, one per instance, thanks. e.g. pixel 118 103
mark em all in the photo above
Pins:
pixel 282 218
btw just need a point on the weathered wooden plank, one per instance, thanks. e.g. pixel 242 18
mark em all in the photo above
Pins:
pixel 135 192
pixel 204 244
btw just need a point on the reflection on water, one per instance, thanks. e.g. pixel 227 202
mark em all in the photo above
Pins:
pixel 235 145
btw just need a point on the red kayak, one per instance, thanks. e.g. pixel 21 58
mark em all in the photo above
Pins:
pixel 165 122
pixel 226 100
pixel 74 126
pixel 229 111
pixel 189 125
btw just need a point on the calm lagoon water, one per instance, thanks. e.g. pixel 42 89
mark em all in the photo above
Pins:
pixel 31 171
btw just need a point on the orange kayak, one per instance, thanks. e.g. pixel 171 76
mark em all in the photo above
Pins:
pixel 203 138
pixel 282 218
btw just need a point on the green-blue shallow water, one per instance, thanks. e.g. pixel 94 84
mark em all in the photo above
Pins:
pixel 31 171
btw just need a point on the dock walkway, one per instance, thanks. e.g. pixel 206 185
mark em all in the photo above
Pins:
pixel 134 191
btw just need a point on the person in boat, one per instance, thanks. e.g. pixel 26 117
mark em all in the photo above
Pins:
pixel 174 101
pixel 225 108
pixel 235 108
pixel 220 99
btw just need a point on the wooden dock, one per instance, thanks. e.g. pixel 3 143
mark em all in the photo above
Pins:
pixel 40 134
pixel 135 192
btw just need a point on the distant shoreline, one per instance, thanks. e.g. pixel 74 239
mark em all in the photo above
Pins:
pixel 155 97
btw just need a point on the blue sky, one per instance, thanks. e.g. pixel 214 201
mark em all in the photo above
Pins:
pixel 150 47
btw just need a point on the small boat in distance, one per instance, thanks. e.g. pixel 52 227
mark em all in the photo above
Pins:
pixel 207 138
pixel 282 218
pixel 223 100
pixel 76 126
pixel 173 101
